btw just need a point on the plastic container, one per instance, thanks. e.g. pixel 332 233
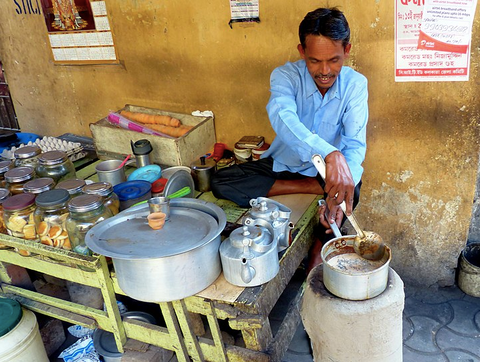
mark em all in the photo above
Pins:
pixel 148 173
pixel 17 177
pixel 131 192
pixel 20 339
pixel 105 190
pixel 85 211
pixel 18 217
pixel 27 156
pixel 55 164
pixel 158 186
pixel 39 185
pixel 73 186
pixel 50 218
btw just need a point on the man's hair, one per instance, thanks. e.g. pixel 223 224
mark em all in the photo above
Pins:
pixel 330 23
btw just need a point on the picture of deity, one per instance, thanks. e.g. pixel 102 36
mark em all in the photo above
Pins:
pixel 68 15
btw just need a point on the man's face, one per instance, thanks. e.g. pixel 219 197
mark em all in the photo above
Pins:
pixel 324 58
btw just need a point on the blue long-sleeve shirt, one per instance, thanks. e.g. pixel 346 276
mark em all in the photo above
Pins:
pixel 307 123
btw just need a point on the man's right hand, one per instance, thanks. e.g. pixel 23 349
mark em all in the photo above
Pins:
pixel 339 184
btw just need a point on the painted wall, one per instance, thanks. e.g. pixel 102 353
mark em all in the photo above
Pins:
pixel 182 56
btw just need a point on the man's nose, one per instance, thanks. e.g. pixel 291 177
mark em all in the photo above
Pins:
pixel 324 69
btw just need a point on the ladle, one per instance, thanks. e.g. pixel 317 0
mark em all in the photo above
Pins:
pixel 124 161
pixel 368 244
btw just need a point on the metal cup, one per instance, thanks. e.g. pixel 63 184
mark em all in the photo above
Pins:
pixel 110 171
pixel 160 204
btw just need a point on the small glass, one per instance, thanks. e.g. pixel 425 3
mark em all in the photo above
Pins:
pixel 39 185
pixel 105 190
pixel 17 177
pixel 85 211
pixel 55 164
pixel 18 217
pixel 27 156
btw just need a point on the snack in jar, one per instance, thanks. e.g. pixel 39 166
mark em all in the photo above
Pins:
pixel 39 185
pixel 73 186
pixel 104 189
pixel 18 217
pixel 27 156
pixel 17 177
pixel 55 164
pixel 4 194
pixel 50 218
pixel 85 211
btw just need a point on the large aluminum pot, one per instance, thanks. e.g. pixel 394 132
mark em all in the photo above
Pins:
pixel 172 263
pixel 349 276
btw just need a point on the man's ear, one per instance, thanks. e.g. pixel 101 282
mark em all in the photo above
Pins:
pixel 301 50
pixel 347 49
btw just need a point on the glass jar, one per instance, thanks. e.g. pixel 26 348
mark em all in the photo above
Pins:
pixel 104 189
pixel 50 218
pixel 4 194
pixel 73 186
pixel 18 217
pixel 17 177
pixel 55 164
pixel 27 156
pixel 39 185
pixel 4 167
pixel 85 211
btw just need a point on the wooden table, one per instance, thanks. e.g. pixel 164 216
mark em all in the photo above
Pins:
pixel 245 309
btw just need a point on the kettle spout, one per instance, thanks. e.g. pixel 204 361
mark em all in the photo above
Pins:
pixel 248 272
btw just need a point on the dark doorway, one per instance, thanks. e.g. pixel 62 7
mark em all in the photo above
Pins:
pixel 8 119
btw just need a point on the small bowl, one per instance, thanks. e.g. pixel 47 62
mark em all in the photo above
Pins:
pixel 156 220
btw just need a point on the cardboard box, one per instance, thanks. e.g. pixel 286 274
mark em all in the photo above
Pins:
pixel 112 142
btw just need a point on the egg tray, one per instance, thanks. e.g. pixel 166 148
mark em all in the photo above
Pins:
pixel 74 150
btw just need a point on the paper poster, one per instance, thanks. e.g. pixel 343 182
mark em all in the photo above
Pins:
pixel 244 11
pixel 433 39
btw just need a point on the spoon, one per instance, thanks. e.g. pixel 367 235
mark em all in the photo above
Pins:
pixel 124 161
pixel 333 225
pixel 368 244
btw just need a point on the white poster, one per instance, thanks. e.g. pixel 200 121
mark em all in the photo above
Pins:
pixel 433 40
pixel 244 11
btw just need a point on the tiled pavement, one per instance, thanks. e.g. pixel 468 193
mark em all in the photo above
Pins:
pixel 439 325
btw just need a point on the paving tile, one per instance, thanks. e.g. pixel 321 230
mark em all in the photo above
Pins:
pixel 300 342
pixel 441 312
pixel 423 338
pixel 464 318
pixel 290 356
pixel 407 328
pixel 461 356
pixel 449 340
pixel 434 295
pixel 415 356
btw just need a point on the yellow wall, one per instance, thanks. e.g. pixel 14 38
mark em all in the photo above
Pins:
pixel 182 56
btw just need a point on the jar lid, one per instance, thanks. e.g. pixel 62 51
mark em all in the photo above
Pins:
pixel 4 194
pixel 5 166
pixel 132 189
pixel 148 173
pixel 19 201
pixel 27 152
pixel 159 185
pixel 84 203
pixel 10 314
pixel 73 186
pixel 52 198
pixel 39 185
pixel 141 147
pixel 19 174
pixel 98 188
pixel 203 164
pixel 52 157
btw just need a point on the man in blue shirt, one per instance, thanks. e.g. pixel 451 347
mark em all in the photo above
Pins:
pixel 317 106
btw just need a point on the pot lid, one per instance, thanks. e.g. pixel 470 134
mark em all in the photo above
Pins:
pixel 130 190
pixel 203 164
pixel 104 343
pixel 5 166
pixel 52 198
pixel 178 181
pixel 19 174
pixel 148 173
pixel 27 152
pixel 10 314
pixel 52 157
pixel 98 188
pixel 71 185
pixel 39 185
pixel 127 235
pixel 19 201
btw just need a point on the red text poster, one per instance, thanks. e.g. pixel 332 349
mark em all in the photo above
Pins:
pixel 433 40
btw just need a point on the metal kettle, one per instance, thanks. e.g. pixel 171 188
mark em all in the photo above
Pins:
pixel 249 256
pixel 268 212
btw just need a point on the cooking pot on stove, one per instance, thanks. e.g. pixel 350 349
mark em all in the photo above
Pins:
pixel 172 263
pixel 249 256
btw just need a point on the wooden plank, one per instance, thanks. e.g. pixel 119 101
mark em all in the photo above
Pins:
pixel 221 353
pixel 175 332
pixel 190 338
pixel 148 333
pixel 221 290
